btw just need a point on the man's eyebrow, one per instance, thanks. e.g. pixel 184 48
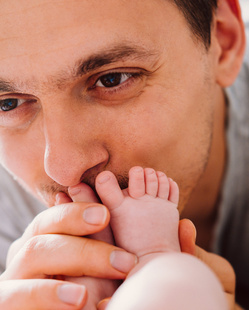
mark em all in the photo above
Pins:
pixel 83 66
pixel 100 59
pixel 115 54
pixel 7 86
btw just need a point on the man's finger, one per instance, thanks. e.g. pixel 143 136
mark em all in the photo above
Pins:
pixel 87 218
pixel 71 256
pixel 41 295
pixel 102 305
pixel 221 267
pixel 187 236
pixel 77 219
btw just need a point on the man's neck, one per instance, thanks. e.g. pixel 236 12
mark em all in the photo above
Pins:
pixel 202 206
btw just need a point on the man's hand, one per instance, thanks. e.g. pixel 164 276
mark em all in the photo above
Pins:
pixel 52 245
pixel 52 248
pixel 41 295
pixel 220 266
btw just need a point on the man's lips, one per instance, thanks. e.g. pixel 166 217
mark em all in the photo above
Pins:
pixel 47 192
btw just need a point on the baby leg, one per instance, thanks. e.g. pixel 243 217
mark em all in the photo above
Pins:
pixel 172 281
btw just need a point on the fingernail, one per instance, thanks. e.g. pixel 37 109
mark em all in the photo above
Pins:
pixel 123 261
pixel 95 215
pixel 71 293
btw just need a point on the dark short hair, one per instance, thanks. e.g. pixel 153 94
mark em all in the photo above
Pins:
pixel 199 15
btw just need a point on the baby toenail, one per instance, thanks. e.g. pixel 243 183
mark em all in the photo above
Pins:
pixel 74 190
pixel 138 169
pixel 103 179
pixel 150 171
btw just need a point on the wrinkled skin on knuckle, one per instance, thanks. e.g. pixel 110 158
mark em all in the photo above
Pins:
pixel 13 250
pixel 34 228
pixel 32 245
pixel 25 263
pixel 29 253
pixel 63 213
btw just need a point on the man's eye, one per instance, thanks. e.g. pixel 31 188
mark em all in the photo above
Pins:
pixel 112 79
pixel 10 104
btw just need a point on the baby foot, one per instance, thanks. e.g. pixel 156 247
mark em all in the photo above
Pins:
pixel 144 217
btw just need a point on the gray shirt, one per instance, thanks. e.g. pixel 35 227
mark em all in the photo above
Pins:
pixel 17 210
pixel 232 234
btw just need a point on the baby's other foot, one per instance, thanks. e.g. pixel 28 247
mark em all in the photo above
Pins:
pixel 144 217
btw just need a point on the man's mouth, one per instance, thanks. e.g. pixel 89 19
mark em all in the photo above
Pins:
pixel 47 192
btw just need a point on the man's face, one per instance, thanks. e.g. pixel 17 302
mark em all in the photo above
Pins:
pixel 99 85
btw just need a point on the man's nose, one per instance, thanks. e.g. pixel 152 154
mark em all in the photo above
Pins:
pixel 72 149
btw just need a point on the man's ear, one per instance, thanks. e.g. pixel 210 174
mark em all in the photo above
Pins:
pixel 229 35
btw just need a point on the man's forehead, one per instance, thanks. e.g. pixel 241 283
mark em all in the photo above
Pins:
pixel 38 38
pixel 50 22
pixel 60 13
